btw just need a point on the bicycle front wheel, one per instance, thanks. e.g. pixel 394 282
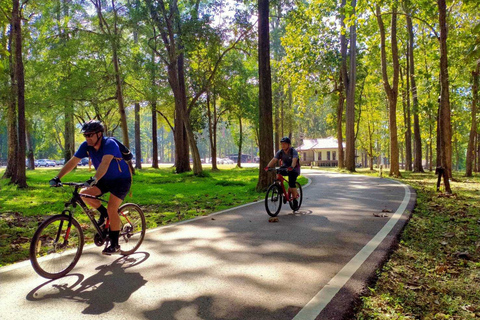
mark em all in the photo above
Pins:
pixel 273 200
pixel 133 227
pixel 299 199
pixel 56 247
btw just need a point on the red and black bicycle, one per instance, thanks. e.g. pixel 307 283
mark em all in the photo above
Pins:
pixel 278 194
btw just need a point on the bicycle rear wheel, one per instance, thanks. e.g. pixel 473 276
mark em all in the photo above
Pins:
pixel 133 227
pixel 56 247
pixel 299 199
pixel 273 200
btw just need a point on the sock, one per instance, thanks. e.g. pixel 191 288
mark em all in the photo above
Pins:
pixel 114 238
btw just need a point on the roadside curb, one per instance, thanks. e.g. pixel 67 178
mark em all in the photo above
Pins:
pixel 344 303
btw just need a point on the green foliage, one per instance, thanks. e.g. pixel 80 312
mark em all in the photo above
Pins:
pixel 434 273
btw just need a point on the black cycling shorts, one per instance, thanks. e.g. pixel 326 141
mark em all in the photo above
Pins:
pixel 292 178
pixel 118 187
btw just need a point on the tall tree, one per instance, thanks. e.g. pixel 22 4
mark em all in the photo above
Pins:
pixel 265 95
pixel 444 108
pixel 349 80
pixel 11 170
pixel 21 178
pixel 473 127
pixel 417 138
pixel 391 91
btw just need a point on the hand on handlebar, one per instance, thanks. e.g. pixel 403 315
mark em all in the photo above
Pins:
pixel 290 168
pixel 266 168
pixel 55 182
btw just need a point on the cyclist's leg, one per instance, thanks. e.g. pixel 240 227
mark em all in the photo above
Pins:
pixel 292 180
pixel 92 191
pixel 114 203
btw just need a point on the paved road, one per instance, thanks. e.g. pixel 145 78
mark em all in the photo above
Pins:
pixel 233 265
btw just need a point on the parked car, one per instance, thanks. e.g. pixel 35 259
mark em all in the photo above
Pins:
pixel 42 163
pixel 228 161
pixel 60 162
pixel 51 163
pixel 83 162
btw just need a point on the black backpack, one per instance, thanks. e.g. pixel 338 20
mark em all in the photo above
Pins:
pixel 126 154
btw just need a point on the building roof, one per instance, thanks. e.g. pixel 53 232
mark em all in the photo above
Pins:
pixel 325 143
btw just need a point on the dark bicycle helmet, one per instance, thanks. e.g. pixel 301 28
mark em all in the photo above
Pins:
pixel 286 139
pixel 93 126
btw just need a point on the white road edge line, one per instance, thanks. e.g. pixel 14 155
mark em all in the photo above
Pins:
pixel 313 308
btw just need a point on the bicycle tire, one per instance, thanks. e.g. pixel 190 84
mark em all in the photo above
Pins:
pixel 52 259
pixel 273 200
pixel 133 228
pixel 300 198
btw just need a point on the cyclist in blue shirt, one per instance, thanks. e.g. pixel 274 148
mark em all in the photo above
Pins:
pixel 290 161
pixel 112 175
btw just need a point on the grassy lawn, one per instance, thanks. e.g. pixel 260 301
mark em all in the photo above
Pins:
pixel 435 272
pixel 164 196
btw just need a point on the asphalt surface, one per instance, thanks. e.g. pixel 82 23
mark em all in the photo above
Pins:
pixel 232 265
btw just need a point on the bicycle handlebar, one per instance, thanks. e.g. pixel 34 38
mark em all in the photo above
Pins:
pixel 74 184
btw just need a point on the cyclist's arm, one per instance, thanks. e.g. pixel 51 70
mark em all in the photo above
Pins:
pixel 272 163
pixel 69 166
pixel 103 167
pixel 294 162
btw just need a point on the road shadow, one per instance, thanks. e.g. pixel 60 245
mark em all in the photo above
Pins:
pixel 110 285
pixel 207 307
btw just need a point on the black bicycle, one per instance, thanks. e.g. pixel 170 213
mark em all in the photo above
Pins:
pixel 277 194
pixel 58 242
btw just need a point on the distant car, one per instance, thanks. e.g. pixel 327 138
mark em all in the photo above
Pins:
pixel 83 162
pixel 228 161
pixel 60 162
pixel 42 163
pixel 51 163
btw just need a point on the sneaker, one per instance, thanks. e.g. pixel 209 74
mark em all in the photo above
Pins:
pixel 111 250
pixel 295 204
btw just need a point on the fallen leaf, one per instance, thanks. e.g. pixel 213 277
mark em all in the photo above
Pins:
pixel 386 210
pixel 449 235
pixel 274 219
pixel 380 215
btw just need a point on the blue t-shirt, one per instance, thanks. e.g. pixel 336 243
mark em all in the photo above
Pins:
pixel 287 159
pixel 118 167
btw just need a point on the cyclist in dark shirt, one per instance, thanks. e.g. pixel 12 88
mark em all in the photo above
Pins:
pixel 112 175
pixel 289 160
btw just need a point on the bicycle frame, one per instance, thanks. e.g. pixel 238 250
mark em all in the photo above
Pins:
pixel 77 200
pixel 280 180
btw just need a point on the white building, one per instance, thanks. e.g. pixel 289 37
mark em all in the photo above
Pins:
pixel 324 153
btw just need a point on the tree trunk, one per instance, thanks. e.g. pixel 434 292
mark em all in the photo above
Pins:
pixel 240 142
pixel 473 128
pixel 212 130
pixel 392 92
pixel 21 179
pixel 265 96
pixel 341 101
pixel 154 135
pixel 349 79
pixel 138 145
pixel 445 122
pixel 11 170
pixel 407 121
pixel 417 138
pixel 30 157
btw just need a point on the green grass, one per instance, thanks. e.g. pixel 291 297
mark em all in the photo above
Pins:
pixel 164 196
pixel 435 272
